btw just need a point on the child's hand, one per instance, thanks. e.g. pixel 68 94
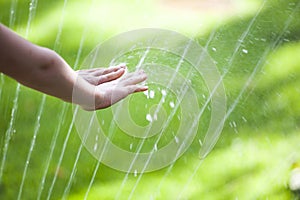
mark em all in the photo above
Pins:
pixel 112 85
pixel 114 91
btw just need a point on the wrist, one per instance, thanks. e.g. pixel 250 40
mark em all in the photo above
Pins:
pixel 84 94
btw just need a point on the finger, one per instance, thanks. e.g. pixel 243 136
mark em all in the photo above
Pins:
pixel 136 88
pixel 124 92
pixel 88 77
pixel 141 88
pixel 88 71
pixel 134 78
pixel 107 70
pixel 111 76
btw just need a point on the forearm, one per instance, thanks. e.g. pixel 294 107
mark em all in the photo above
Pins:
pixel 39 68
pixel 56 78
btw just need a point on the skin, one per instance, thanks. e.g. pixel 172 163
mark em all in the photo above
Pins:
pixel 44 70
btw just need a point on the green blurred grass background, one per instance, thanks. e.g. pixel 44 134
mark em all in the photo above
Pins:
pixel 259 142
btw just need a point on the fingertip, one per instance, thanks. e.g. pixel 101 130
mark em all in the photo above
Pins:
pixel 121 70
pixel 142 88
pixel 144 77
pixel 122 65
pixel 141 71
pixel 113 68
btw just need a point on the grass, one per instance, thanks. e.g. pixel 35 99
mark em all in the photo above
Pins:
pixel 250 161
pixel 254 167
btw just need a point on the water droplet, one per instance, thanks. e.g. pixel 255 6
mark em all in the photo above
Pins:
pixel 163 92
pixel 234 124
pixel 245 51
pixel 135 173
pixel 147 94
pixel 214 49
pixel 244 119
pixel 97 137
pixel 155 147
pixel 149 118
pixel 176 139
pixel 151 94
pixel 95 146
pixel 263 39
pixel 200 142
pixel 172 105
pixel 130 146
pixel 31 6
pixel 155 117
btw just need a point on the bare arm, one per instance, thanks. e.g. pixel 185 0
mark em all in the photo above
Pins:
pixel 44 70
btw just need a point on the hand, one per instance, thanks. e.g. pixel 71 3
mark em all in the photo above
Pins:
pixel 112 84
pixel 114 91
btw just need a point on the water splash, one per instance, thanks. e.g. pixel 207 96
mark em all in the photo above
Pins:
pixel 195 121
pixel 156 111
pixel 36 131
pixel 62 154
pixel 12 15
pixel 259 64
pixel 92 180
pixel 1 84
pixel 9 131
pixel 67 189
pixel 52 145
pixel 232 107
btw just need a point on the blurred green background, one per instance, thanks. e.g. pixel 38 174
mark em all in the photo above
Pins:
pixel 256 42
